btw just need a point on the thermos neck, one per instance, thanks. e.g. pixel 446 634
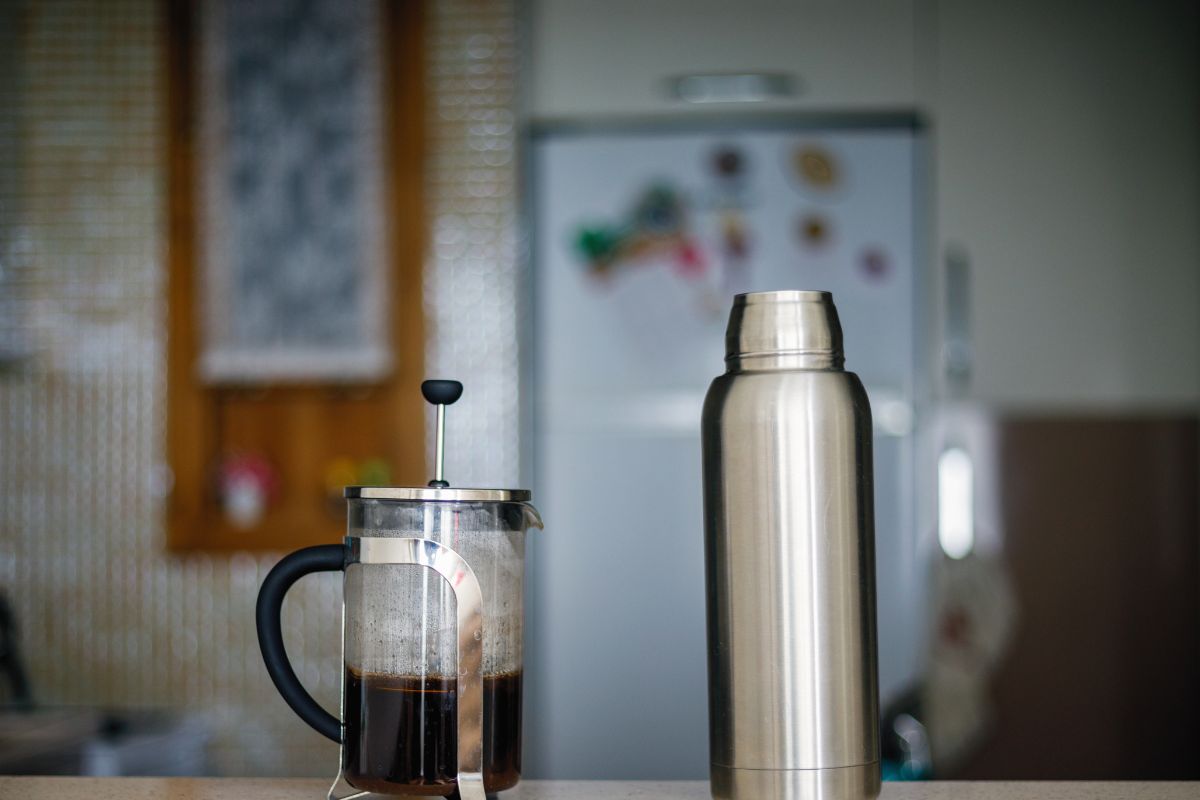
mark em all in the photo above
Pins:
pixel 783 330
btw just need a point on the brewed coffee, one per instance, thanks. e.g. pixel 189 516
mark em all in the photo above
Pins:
pixel 402 733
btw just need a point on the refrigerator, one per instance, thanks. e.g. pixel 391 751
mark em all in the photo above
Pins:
pixel 639 237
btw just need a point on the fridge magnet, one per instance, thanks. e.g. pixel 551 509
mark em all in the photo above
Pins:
pixel 728 163
pixel 815 170
pixel 816 167
pixel 735 239
pixel 290 156
pixel 814 231
pixel 735 245
pixel 657 227
pixel 246 484
pixel 874 264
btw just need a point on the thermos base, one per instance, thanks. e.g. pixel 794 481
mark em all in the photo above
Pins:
pixel 842 783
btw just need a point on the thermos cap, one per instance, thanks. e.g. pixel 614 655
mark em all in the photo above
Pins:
pixel 785 329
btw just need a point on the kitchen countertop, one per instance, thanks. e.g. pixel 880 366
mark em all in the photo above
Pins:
pixel 38 788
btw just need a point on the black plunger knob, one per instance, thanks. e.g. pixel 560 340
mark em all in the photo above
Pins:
pixel 441 393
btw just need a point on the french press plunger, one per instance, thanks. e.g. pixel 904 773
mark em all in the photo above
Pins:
pixel 431 634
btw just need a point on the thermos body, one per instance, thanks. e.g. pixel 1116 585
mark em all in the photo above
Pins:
pixel 789 558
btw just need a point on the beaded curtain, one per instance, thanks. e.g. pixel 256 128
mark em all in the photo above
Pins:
pixel 107 617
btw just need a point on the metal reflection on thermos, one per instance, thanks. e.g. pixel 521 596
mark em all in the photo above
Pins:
pixel 790 559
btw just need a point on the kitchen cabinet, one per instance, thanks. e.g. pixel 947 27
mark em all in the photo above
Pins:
pixel 617 57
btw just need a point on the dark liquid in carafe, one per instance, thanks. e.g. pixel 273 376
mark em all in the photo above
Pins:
pixel 402 733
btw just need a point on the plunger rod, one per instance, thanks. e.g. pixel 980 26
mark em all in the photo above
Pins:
pixel 441 393
pixel 439 466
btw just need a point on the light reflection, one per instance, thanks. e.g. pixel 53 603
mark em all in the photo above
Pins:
pixel 956 502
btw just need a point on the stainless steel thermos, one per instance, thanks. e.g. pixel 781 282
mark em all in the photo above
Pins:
pixel 790 559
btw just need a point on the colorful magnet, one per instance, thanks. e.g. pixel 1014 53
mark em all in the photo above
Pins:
pixel 659 211
pixel 816 167
pixel 657 226
pixel 875 264
pixel 814 231
pixel 689 260
pixel 735 238
pixel 728 162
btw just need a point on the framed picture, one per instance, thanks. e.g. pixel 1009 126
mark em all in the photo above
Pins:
pixel 289 175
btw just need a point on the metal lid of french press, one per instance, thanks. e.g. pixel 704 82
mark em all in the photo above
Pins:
pixel 440 393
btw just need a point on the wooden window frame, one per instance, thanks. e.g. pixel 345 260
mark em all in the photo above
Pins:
pixel 298 428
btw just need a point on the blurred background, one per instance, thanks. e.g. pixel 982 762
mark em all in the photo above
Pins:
pixel 235 236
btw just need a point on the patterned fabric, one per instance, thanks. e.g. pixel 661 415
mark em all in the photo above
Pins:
pixel 290 170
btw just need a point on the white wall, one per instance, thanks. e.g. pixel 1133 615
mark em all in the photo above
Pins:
pixel 1065 143
pixel 614 57
pixel 1066 150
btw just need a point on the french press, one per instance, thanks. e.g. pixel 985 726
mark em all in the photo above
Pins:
pixel 431 634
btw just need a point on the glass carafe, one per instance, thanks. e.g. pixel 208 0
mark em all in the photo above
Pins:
pixel 431 639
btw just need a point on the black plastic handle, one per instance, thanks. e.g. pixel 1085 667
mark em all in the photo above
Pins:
pixel 439 392
pixel 322 558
